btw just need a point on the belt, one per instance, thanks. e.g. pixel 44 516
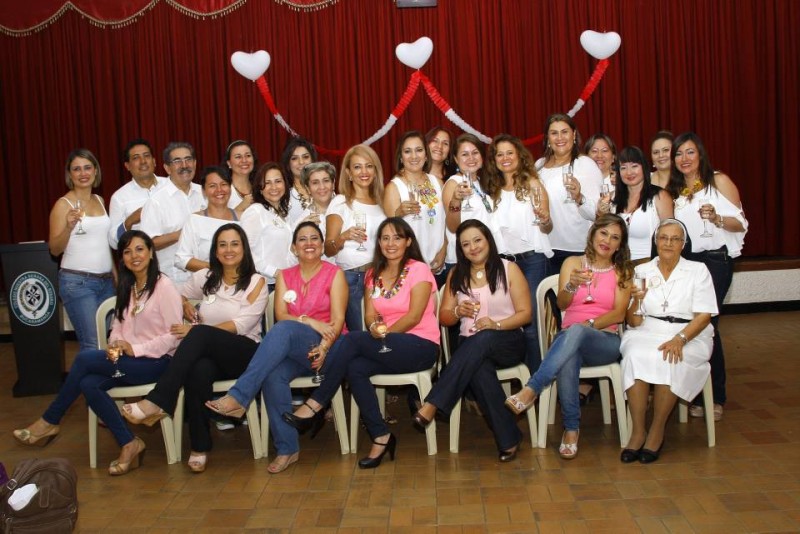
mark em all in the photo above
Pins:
pixel 362 269
pixel 719 254
pixel 87 275
pixel 671 319
pixel 518 257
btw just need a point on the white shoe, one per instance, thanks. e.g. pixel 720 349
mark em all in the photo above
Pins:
pixel 224 424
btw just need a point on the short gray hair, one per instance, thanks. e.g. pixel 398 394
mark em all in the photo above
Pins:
pixel 311 168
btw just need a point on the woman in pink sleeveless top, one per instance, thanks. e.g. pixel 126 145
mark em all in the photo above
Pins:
pixel 593 291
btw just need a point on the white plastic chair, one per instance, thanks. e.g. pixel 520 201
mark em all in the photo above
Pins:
pixel 611 372
pixel 123 392
pixel 422 380
pixel 304 382
pixel 708 409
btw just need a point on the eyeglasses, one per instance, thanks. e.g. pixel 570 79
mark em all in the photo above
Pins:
pixel 669 240
pixel 188 160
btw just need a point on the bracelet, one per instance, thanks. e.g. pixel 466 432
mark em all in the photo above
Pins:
pixel 497 324
pixel 302 318
pixel 569 288
pixel 454 209
pixel 455 311
pixel 683 337
pixel 335 245
pixel 721 222
pixel 373 323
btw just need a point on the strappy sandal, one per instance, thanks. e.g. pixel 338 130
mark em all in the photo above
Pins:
pixel 517 406
pixel 216 406
pixel 281 462
pixel 197 461
pixel 568 451
pixel 134 415
pixel 117 468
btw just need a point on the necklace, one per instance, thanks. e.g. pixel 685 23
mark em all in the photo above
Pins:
pixel 243 195
pixel 479 273
pixel 387 294
pixel 138 306
pixel 665 304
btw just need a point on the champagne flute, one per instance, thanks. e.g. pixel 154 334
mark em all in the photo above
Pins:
pixel 536 202
pixel 566 178
pixel 196 318
pixel 381 329
pixel 113 353
pixel 587 270
pixel 361 224
pixel 467 182
pixel 475 300
pixel 413 196
pixel 640 282
pixel 704 214
pixel 80 207
pixel 314 352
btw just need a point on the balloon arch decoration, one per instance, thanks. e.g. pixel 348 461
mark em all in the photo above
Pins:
pixel 252 66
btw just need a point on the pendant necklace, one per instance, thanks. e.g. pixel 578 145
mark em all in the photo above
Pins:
pixel 664 294
pixel 138 306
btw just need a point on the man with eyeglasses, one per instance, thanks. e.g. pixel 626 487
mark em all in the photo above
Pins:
pixel 125 209
pixel 167 210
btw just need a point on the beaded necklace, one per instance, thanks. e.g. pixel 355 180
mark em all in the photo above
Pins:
pixel 395 289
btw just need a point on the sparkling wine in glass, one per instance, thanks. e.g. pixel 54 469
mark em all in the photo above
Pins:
pixel 361 224
pixel 704 215
pixel 81 208
pixel 113 353
pixel 314 352
pixel 566 178
pixel 475 300
pixel 413 196
pixel 536 202
pixel 588 271
pixel 196 317
pixel 640 281
pixel 467 182
pixel 382 329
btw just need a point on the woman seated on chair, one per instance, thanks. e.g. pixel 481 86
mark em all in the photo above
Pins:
pixel 593 291
pixel 403 336
pixel 490 297
pixel 310 305
pixel 148 304
pixel 218 340
pixel 669 347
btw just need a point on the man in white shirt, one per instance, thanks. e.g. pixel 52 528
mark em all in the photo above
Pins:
pixel 166 212
pixel 125 209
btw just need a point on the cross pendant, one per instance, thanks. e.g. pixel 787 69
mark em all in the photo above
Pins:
pixel 664 306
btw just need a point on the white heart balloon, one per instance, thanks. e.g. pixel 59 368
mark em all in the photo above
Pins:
pixel 251 66
pixel 600 45
pixel 415 54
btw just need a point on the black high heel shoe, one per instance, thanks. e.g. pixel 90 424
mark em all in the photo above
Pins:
pixel 420 422
pixel 372 463
pixel 646 456
pixel 304 424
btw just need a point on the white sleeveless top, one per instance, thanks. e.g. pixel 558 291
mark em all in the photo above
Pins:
pixel 514 218
pixel 89 252
pixel 429 228
pixel 478 212
pixel 641 227
pixel 687 213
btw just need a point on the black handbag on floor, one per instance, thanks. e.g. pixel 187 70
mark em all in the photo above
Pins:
pixel 54 507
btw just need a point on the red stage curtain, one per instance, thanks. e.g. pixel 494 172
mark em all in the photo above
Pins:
pixel 728 70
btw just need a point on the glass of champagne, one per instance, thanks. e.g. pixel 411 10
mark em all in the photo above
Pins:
pixel 113 353
pixel 413 196
pixel 474 299
pixel 536 202
pixel 361 224
pixel 704 214
pixel 382 329
pixel 81 209
pixel 566 178
pixel 314 352
pixel 640 282
pixel 587 270
pixel 467 182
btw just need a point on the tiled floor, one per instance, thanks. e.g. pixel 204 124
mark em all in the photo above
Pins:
pixel 749 483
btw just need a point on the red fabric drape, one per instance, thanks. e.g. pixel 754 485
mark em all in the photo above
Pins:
pixel 727 70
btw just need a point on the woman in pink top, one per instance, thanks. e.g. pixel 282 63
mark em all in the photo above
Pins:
pixel 594 291
pixel 401 291
pixel 490 297
pixel 232 300
pixel 147 305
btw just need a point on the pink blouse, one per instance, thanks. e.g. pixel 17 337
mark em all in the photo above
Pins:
pixel 604 291
pixel 393 307
pixel 312 298
pixel 497 305
pixel 148 331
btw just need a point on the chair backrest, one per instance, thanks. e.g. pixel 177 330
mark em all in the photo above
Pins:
pixel 547 325
pixel 101 321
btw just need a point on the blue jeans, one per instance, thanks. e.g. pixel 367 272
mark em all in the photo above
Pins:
pixel 278 400
pixel 91 375
pixel 357 358
pixel 352 316
pixel 81 295
pixel 573 348
pixel 535 270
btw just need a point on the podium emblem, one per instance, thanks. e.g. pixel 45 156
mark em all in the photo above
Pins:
pixel 32 298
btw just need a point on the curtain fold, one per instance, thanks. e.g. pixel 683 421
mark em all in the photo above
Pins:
pixel 728 70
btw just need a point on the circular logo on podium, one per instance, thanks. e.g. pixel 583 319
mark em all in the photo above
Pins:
pixel 32 298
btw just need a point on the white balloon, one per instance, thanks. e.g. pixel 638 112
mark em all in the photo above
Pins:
pixel 251 66
pixel 415 54
pixel 600 45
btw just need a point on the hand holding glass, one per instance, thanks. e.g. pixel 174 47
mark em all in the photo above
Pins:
pixel 113 353
pixel 381 329
pixel 81 212
pixel 314 352
pixel 474 300
pixel 467 183
pixel 587 270
pixel 361 224
pixel 706 210
pixel 640 283
pixel 536 202
pixel 413 196
pixel 566 177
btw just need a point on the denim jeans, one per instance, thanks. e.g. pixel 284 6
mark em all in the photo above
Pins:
pixel 352 317
pixel 573 348
pixel 81 295
pixel 535 270
pixel 91 375
pixel 278 400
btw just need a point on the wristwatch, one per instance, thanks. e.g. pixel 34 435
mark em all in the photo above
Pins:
pixel 591 323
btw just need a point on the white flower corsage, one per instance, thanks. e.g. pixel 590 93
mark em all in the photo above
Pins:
pixel 376 292
pixel 210 298
pixel 290 296
pixel 654 282
pixel 681 202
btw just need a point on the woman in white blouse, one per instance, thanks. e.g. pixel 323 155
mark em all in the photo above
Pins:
pixel 319 179
pixel 297 153
pixel 266 222
pixel 361 192
pixel 416 196
pixel 217 343
pixel 573 197
pixel 241 159
pixel 194 245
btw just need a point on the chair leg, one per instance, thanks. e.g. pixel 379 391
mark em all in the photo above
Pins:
pixel 605 400
pixel 619 403
pixel 544 409
pixel 683 411
pixel 380 392
pixel 177 426
pixel 455 426
pixel 425 385
pixel 355 421
pixel 167 430
pixel 708 407
pixel 92 439
pixel 337 405
pixel 264 429
pixel 255 429
pixel 551 416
